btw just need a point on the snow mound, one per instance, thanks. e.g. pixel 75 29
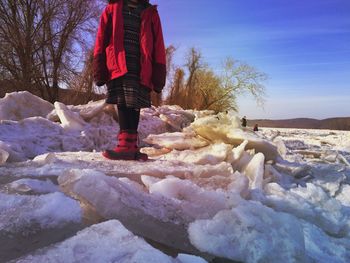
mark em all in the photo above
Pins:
pixel 20 105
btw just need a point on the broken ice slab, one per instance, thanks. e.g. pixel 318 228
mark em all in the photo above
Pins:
pixel 344 195
pixel 105 242
pixel 70 120
pixel 20 105
pixel 153 215
pixel 37 136
pixel 250 232
pixel 32 186
pixel 4 155
pixel 294 169
pixel 20 213
pixel 227 130
pixel 212 154
pixel 30 222
pixel 312 204
pixel 177 140
pixel 255 171
pixel 55 164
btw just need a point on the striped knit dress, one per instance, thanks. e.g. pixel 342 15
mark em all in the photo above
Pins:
pixel 126 91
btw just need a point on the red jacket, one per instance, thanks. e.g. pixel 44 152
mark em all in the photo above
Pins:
pixel 109 53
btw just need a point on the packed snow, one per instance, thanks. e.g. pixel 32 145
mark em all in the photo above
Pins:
pixel 212 190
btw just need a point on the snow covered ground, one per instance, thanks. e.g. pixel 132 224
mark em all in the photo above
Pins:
pixel 212 191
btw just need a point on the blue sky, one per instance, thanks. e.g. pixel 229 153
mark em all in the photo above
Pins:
pixel 303 46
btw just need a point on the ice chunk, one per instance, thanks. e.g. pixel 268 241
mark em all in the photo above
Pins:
pixel 61 162
pixel 255 171
pixel 331 181
pixel 281 147
pixel 29 137
pixel 148 181
pixel 105 242
pixel 4 155
pixel 69 120
pixel 172 121
pixel 132 183
pixel 312 204
pixel 23 213
pixel 90 110
pixel 45 158
pixel 323 248
pixel 239 184
pixel 15 152
pixel 184 258
pixel 271 174
pixel 344 195
pixel 237 152
pixel 155 152
pixel 20 105
pixel 343 159
pixel 163 219
pixel 250 232
pixel 26 185
pixel 212 154
pixel 294 169
pixel 224 129
pixel 196 201
pixel 177 140
pixel 151 124
pixel 242 162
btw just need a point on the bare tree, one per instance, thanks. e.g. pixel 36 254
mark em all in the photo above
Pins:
pixel 193 65
pixel 82 85
pixel 170 51
pixel 177 89
pixel 43 41
pixel 204 89
pixel 19 29
pixel 240 78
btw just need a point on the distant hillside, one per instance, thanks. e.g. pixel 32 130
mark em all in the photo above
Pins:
pixel 305 123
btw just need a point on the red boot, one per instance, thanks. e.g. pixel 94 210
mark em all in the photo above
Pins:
pixel 126 149
pixel 123 151
pixel 133 137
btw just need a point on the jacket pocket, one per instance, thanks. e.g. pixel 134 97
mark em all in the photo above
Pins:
pixel 111 59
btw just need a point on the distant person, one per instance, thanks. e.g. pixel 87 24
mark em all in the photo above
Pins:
pixel 244 121
pixel 129 57
pixel 256 127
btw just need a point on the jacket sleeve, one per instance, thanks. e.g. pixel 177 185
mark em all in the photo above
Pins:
pixel 159 56
pixel 100 70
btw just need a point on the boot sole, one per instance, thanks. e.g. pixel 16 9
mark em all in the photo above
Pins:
pixel 135 156
pixel 112 155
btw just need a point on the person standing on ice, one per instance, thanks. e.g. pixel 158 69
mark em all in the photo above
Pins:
pixel 244 121
pixel 129 57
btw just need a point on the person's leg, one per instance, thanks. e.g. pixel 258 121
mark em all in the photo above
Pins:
pixel 123 117
pixel 128 118
pixel 124 149
pixel 134 118
pixel 127 148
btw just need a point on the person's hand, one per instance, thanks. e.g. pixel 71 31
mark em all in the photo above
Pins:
pixel 100 83
pixel 157 89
